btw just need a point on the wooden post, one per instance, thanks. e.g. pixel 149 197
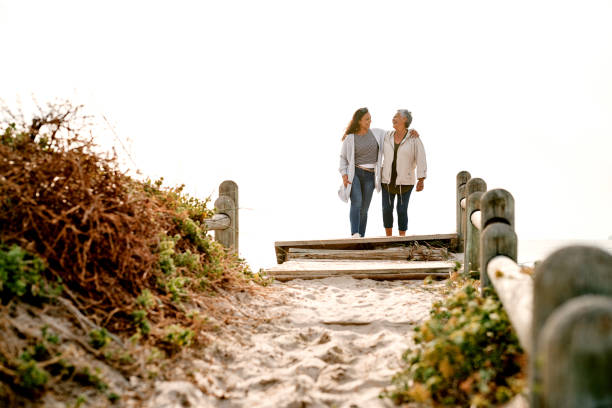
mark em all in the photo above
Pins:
pixel 227 204
pixel 497 236
pixel 567 273
pixel 497 206
pixel 575 354
pixel 496 239
pixel 471 257
pixel 462 179
pixel 473 185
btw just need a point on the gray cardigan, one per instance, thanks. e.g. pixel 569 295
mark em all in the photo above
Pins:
pixel 347 162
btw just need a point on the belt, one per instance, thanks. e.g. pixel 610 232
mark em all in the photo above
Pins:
pixel 366 169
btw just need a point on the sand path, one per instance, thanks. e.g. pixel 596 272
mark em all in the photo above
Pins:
pixel 332 342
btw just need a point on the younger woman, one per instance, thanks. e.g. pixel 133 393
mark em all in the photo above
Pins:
pixel 360 159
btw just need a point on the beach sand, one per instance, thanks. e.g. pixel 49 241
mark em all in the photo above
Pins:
pixel 332 342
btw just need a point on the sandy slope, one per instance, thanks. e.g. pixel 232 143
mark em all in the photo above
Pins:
pixel 331 342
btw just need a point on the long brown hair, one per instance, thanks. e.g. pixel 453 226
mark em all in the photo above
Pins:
pixel 353 125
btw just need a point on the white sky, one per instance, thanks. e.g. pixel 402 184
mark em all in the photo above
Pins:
pixel 516 92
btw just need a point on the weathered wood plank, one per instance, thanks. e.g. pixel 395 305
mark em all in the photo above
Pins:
pixel 313 269
pixel 333 265
pixel 436 240
pixel 322 243
pixel 382 276
pixel 357 270
pixel 407 253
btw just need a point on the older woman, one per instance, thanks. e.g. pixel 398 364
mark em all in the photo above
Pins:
pixel 403 152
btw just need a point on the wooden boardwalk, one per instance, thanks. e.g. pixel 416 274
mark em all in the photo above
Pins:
pixel 436 240
pixel 410 257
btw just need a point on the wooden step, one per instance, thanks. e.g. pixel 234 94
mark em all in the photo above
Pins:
pixel 403 253
pixel 314 269
pixel 448 241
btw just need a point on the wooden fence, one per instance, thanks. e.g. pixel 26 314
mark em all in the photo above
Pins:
pixel 562 314
pixel 225 221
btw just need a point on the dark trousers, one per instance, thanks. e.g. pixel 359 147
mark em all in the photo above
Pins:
pixel 402 207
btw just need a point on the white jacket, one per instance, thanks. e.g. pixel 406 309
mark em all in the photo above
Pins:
pixel 410 155
pixel 347 162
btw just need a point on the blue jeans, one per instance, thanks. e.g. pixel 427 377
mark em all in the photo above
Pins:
pixel 402 208
pixel 361 195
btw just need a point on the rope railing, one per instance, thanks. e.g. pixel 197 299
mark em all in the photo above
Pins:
pixel 562 314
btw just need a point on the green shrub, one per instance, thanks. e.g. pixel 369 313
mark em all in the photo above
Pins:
pixel 146 299
pixel 99 338
pixel 177 337
pixel 21 276
pixel 31 376
pixel 140 319
pixel 86 377
pixel 113 397
pixel 187 259
pixel 467 354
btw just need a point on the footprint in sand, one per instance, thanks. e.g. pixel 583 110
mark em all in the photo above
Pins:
pixel 332 376
pixel 324 338
pixel 335 355
pixel 311 367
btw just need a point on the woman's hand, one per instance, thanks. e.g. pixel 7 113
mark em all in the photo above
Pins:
pixel 420 185
pixel 345 180
pixel 414 133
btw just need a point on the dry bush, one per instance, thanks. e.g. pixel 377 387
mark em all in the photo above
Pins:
pixel 98 229
pixel 134 257
pixel 76 210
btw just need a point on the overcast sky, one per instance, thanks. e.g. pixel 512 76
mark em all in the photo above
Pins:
pixel 518 93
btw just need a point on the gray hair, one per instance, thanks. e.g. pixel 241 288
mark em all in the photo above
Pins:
pixel 407 115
